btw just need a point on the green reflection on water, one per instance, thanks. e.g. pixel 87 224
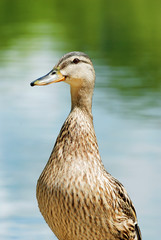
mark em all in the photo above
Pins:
pixel 124 37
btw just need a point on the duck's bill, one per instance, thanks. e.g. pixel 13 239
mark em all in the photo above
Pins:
pixel 53 76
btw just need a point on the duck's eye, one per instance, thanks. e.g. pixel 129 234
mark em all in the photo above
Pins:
pixel 76 60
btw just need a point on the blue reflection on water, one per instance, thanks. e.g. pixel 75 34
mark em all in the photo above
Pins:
pixel 30 122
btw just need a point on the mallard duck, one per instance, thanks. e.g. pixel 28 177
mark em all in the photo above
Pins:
pixel 77 197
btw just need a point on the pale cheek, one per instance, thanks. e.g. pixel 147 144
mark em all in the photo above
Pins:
pixel 63 72
pixel 78 73
pixel 74 82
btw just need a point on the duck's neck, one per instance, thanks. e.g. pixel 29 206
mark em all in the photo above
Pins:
pixel 82 98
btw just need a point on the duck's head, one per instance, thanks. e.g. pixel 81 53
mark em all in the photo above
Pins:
pixel 76 69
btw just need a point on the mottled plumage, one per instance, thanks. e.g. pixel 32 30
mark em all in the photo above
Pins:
pixel 77 197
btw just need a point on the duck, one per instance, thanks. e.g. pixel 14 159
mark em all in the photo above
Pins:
pixel 77 197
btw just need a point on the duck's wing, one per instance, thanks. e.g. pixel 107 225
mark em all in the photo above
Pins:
pixel 124 214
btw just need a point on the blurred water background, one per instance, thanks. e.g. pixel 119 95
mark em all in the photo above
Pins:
pixel 124 41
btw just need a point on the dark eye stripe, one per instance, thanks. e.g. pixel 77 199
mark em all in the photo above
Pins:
pixel 85 62
pixel 66 63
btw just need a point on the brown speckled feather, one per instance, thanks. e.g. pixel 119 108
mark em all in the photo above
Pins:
pixel 77 197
